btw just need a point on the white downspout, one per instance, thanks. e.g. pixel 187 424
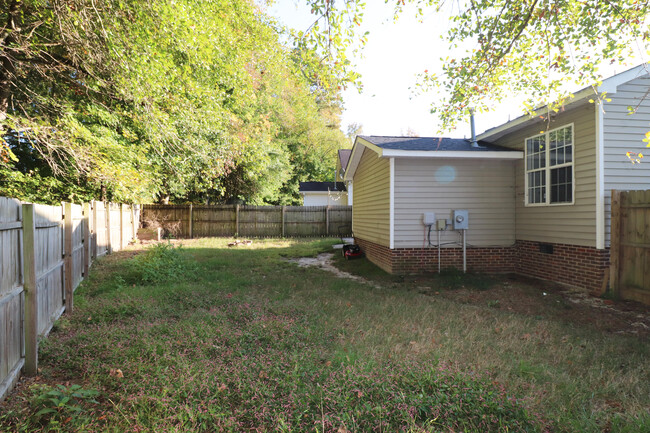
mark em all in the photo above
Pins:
pixel 600 178
pixel 392 203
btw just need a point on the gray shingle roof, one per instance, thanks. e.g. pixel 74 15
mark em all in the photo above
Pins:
pixel 430 144
pixel 344 157
pixel 321 186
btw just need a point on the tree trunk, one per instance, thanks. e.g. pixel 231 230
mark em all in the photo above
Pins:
pixel 7 70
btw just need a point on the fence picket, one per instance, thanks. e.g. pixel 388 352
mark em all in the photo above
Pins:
pixel 249 221
pixel 630 245
pixel 45 252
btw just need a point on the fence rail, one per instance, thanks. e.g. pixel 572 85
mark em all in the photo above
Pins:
pixel 630 245
pixel 45 252
pixel 187 221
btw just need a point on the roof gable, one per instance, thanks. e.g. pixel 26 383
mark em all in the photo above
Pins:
pixel 582 97
pixel 344 157
pixel 424 147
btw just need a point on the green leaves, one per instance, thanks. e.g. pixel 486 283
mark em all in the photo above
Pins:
pixel 154 100
pixel 534 48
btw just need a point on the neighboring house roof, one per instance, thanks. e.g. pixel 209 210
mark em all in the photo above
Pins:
pixel 344 157
pixel 321 186
pixel 424 147
pixel 580 98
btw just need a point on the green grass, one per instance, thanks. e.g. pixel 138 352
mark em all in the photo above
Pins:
pixel 209 338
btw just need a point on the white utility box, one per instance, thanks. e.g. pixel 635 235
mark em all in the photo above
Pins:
pixel 461 220
pixel 428 218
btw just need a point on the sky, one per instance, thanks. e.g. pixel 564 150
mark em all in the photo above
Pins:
pixel 394 54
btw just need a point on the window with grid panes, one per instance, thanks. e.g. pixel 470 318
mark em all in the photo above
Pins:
pixel 549 167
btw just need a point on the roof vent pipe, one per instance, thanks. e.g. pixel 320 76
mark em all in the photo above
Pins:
pixel 471 123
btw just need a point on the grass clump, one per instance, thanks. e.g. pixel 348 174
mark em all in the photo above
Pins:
pixel 54 408
pixel 160 263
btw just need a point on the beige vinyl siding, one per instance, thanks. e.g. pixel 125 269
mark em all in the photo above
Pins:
pixel 622 133
pixel 573 224
pixel 370 212
pixel 483 187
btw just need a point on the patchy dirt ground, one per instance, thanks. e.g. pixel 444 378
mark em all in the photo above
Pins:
pixel 550 300
pixel 517 294
pixel 325 261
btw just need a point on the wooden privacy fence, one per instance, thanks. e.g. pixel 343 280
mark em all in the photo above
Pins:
pixel 630 245
pixel 187 221
pixel 45 252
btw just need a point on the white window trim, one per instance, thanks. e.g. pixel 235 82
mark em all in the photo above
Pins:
pixel 547 168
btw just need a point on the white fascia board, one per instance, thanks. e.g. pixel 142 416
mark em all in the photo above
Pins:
pixel 390 153
pixel 357 150
pixel 610 85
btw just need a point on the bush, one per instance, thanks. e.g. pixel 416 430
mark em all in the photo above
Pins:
pixel 160 263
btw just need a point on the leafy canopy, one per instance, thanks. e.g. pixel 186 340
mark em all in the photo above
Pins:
pixel 538 48
pixel 166 100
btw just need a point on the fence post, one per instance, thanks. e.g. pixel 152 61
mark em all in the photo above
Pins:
pixel 94 232
pixel 67 258
pixel 191 228
pixel 283 209
pixel 107 211
pixel 30 287
pixel 615 243
pixel 87 242
pixel 236 220
pixel 327 220
pixel 121 226
pixel 133 230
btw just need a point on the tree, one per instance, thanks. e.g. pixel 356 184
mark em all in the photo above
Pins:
pixel 534 47
pixel 140 101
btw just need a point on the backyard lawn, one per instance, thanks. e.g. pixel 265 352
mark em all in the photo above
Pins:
pixel 205 337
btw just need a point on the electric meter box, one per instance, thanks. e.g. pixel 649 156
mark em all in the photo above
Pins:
pixel 428 218
pixel 461 220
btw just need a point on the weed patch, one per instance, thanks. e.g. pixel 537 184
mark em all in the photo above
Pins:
pixel 55 408
pixel 160 263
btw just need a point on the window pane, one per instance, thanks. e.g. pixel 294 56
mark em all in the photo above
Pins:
pixel 569 153
pixel 561 185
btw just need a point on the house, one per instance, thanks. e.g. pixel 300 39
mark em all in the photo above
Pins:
pixel 323 193
pixel 341 163
pixel 536 190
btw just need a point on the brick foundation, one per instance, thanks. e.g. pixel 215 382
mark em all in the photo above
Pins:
pixel 575 265
pixel 578 266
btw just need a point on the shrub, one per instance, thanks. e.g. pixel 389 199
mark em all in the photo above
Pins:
pixel 160 263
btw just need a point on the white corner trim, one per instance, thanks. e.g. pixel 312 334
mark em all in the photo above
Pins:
pixel 393 153
pixel 600 178
pixel 392 203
